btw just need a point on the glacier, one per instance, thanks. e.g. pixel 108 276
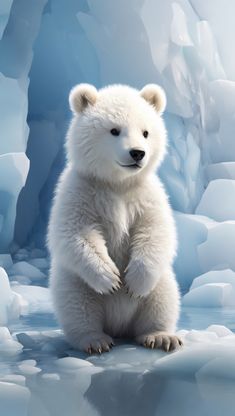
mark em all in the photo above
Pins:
pixel 46 47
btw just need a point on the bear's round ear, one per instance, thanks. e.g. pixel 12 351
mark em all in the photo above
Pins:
pixel 81 96
pixel 154 95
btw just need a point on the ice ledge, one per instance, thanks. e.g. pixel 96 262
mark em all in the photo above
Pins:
pixel 199 378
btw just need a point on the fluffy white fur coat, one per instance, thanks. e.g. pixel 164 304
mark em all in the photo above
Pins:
pixel 111 233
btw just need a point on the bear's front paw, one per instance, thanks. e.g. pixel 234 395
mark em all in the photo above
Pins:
pixel 140 279
pixel 107 279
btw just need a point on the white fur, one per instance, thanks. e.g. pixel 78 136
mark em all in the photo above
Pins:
pixel 111 227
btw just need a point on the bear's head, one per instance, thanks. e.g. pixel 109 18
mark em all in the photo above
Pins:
pixel 117 133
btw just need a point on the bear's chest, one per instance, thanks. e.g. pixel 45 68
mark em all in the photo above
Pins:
pixel 116 216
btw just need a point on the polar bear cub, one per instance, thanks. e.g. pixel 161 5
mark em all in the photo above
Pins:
pixel 111 232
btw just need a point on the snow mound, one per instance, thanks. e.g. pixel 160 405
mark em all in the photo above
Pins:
pixel 215 276
pixel 14 399
pixel 72 363
pixel 25 269
pixel 220 330
pixel 212 289
pixel 36 299
pixel 8 346
pixel 9 301
pixel 18 278
pixel 40 263
pixel 218 200
pixel 218 249
pixel 211 295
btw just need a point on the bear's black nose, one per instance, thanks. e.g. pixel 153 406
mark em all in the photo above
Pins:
pixel 137 154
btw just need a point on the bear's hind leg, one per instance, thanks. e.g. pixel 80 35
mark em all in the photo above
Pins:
pixel 157 316
pixel 80 312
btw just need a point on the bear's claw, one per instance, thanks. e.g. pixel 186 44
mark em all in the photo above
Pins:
pixel 96 343
pixel 161 340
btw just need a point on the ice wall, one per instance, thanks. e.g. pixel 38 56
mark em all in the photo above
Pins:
pixel 19 25
pixel 63 56
pixel 48 46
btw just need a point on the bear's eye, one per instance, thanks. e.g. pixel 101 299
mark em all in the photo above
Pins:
pixel 145 133
pixel 115 132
